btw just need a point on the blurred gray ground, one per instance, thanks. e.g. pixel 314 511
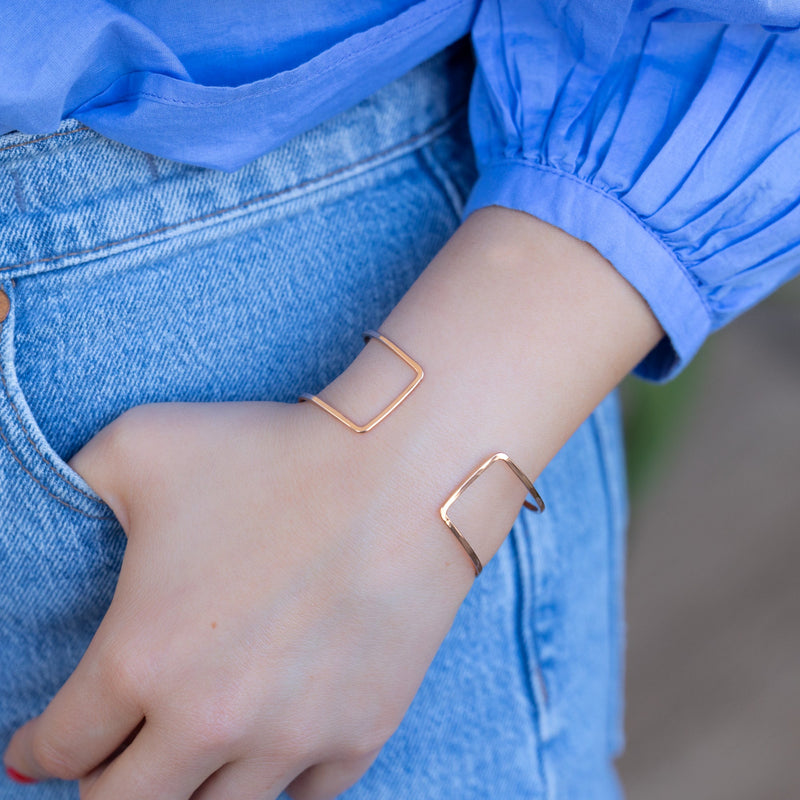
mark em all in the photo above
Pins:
pixel 713 666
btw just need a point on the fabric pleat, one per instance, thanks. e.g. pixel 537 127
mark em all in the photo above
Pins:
pixel 688 130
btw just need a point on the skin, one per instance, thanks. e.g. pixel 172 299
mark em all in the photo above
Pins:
pixel 287 582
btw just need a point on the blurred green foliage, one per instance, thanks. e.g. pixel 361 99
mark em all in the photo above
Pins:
pixel 654 415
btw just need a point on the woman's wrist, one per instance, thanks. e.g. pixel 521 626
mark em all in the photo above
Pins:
pixel 521 330
pixel 416 457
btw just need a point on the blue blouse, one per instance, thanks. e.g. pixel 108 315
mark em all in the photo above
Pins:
pixel 666 134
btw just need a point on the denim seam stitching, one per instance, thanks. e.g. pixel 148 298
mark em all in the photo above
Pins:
pixel 420 138
pixel 41 455
pixel 33 444
pixel 527 599
pixel 438 175
pixel 612 521
pixel 42 486
pixel 45 138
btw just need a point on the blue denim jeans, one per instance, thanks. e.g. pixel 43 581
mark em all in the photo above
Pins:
pixel 133 279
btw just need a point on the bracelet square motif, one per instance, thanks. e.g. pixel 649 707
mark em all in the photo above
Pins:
pixel 371 334
pixel 539 503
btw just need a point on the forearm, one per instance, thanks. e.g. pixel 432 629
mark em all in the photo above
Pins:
pixel 284 545
pixel 521 330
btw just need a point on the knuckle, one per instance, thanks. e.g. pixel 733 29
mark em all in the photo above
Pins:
pixel 366 742
pixel 364 748
pixel 122 436
pixel 53 756
pixel 367 753
pixel 298 742
pixel 218 726
pixel 129 669
pixel 125 441
pixel 113 458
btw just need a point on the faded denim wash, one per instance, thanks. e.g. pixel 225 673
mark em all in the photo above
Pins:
pixel 133 279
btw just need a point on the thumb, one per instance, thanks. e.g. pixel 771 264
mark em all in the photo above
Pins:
pixel 102 464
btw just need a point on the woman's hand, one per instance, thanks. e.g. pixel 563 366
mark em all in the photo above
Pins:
pixel 274 616
pixel 287 582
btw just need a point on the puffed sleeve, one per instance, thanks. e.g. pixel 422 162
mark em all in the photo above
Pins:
pixel 668 138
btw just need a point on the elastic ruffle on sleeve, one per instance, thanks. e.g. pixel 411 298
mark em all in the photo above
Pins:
pixel 670 143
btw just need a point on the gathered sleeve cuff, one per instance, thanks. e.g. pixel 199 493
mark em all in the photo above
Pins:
pixel 669 142
pixel 596 217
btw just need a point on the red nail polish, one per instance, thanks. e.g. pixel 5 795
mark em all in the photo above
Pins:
pixel 18 777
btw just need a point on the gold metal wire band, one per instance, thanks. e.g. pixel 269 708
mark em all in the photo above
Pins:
pixel 372 334
pixel 539 507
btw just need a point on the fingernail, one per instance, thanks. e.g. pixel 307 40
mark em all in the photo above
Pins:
pixel 18 776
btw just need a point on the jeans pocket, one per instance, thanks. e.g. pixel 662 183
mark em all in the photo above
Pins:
pixel 40 472
pixel 60 552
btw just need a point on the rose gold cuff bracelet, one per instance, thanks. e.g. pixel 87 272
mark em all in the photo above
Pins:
pixel 370 334
pixel 537 505
pixel 474 475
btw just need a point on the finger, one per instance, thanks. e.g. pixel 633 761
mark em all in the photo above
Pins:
pixel 85 784
pixel 245 780
pixel 87 720
pixel 155 764
pixel 95 464
pixel 89 780
pixel 329 779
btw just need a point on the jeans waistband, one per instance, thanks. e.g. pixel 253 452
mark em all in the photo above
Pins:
pixel 73 196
